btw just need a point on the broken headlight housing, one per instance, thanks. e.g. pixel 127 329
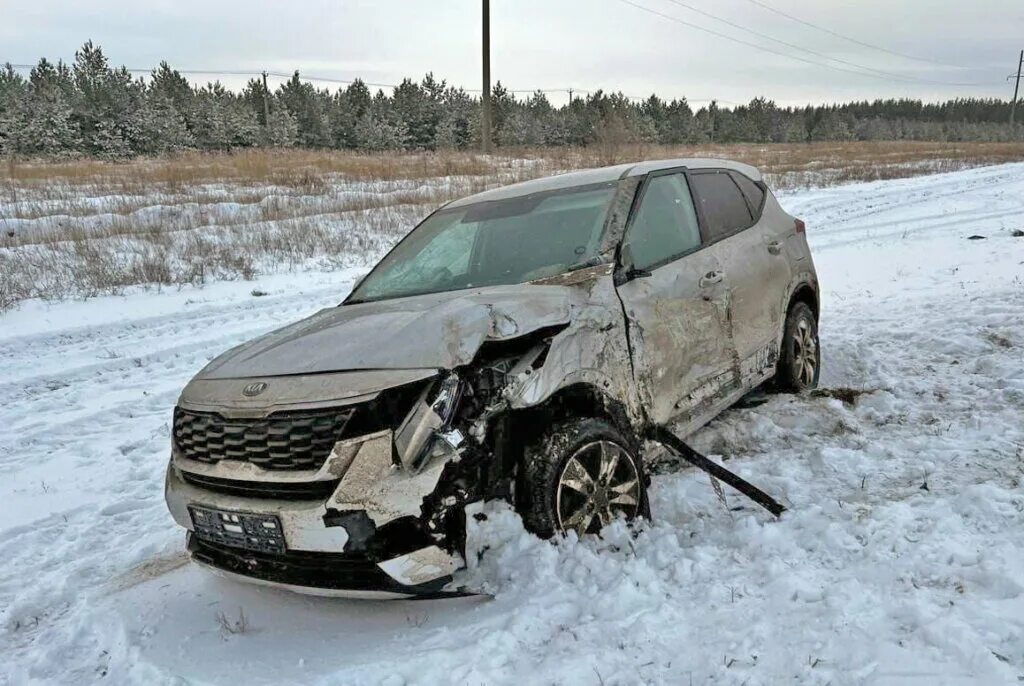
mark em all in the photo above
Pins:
pixel 428 428
pixel 446 398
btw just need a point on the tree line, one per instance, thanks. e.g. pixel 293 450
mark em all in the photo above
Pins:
pixel 90 108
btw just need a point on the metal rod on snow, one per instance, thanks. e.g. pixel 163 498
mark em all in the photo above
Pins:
pixel 668 439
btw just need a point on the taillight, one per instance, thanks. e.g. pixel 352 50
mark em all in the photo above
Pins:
pixel 799 225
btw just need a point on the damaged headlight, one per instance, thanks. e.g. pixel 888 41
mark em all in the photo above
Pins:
pixel 447 397
pixel 417 438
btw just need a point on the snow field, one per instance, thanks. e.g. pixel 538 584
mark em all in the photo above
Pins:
pixel 899 561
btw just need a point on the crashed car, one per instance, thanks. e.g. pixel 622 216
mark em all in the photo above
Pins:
pixel 513 346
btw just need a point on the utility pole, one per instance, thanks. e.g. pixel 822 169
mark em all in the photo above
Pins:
pixel 485 124
pixel 266 103
pixel 1016 89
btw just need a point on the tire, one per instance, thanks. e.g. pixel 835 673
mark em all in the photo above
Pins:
pixel 554 496
pixel 800 361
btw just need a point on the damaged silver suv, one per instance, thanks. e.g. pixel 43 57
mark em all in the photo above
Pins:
pixel 515 345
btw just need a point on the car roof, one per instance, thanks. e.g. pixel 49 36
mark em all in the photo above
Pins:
pixel 586 177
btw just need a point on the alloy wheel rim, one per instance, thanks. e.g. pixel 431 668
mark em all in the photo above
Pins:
pixel 805 353
pixel 598 482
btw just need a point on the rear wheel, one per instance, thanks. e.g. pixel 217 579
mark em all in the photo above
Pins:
pixel 800 361
pixel 580 476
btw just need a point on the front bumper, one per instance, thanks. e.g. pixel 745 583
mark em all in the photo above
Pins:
pixel 321 555
pixel 323 574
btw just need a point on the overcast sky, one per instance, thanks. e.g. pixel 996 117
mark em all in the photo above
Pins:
pixel 584 44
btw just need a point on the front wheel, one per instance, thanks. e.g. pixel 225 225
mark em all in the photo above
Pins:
pixel 800 362
pixel 580 476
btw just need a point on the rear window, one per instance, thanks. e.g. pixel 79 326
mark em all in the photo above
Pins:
pixel 754 192
pixel 724 207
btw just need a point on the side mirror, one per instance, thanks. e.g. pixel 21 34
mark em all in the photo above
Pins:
pixel 626 270
pixel 359 280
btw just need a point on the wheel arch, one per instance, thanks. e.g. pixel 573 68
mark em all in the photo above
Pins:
pixel 805 291
pixel 578 399
pixel 522 426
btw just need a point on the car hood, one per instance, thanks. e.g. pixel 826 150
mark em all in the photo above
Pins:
pixel 436 331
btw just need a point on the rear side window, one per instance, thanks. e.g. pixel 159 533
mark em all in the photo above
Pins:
pixel 723 205
pixel 754 193
pixel 665 224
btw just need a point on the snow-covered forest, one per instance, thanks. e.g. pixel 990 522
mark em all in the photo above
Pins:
pixel 90 108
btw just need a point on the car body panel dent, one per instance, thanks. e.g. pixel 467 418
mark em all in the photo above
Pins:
pixel 592 350
pixel 680 331
pixel 439 331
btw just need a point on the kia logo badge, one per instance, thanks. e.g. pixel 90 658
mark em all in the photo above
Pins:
pixel 254 389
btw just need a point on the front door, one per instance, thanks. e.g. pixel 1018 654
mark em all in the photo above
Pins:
pixel 676 300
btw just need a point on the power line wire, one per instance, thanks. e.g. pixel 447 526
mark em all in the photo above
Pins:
pixel 848 38
pixel 794 46
pixel 777 52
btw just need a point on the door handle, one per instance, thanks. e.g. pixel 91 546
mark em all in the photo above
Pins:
pixel 710 279
pixel 775 247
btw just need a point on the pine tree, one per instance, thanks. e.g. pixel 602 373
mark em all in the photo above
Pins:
pixel 162 128
pixel 13 92
pixel 94 109
pixel 346 109
pixel 831 127
pixel 380 128
pixel 169 85
pixel 374 133
pixel 306 104
pixel 45 123
pixel 282 129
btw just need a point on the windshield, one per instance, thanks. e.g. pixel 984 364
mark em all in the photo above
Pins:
pixel 494 243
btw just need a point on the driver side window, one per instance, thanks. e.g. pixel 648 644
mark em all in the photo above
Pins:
pixel 665 225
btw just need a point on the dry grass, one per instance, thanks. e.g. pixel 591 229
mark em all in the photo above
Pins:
pixel 306 170
pixel 297 169
pixel 230 626
pixel 811 164
pixel 84 228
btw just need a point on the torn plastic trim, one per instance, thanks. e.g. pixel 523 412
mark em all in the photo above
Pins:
pixel 661 435
pixel 385 490
pixel 421 566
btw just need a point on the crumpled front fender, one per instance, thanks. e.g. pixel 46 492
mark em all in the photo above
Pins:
pixel 592 350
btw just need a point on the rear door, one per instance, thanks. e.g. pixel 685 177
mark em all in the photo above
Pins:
pixel 752 265
pixel 676 303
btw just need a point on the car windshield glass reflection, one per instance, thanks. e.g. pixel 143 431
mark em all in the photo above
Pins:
pixel 494 243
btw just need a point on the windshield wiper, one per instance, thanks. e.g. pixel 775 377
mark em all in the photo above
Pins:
pixel 592 262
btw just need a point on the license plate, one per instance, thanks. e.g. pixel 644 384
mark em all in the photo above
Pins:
pixel 248 530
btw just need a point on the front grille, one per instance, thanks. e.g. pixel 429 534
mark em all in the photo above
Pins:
pixel 293 439
pixel 284 440
pixel 320 570
pixel 278 490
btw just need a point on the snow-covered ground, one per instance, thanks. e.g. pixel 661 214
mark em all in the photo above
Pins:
pixel 900 560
